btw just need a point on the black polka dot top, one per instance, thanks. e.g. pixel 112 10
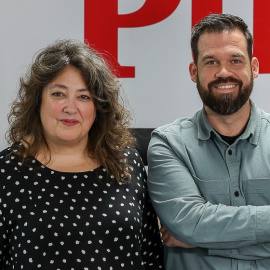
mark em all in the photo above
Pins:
pixel 86 220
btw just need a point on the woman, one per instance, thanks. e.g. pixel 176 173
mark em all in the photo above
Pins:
pixel 73 193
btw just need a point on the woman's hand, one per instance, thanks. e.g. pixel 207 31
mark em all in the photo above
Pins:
pixel 171 241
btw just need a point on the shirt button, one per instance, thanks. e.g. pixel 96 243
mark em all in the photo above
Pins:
pixel 230 152
pixel 236 194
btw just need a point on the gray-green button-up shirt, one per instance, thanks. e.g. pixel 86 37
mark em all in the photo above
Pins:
pixel 211 194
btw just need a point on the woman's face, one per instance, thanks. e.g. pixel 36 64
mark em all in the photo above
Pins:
pixel 67 110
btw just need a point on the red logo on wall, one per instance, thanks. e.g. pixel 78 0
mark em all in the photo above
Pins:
pixel 102 22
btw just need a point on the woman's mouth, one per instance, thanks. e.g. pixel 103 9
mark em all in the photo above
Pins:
pixel 69 122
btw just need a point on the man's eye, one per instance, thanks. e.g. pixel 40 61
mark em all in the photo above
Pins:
pixel 211 62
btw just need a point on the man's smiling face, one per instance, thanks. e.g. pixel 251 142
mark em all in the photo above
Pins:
pixel 224 73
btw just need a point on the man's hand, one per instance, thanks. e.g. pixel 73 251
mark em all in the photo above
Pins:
pixel 170 241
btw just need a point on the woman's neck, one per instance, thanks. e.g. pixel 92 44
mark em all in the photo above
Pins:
pixel 67 159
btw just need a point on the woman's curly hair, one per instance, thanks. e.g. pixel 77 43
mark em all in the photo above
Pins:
pixel 109 135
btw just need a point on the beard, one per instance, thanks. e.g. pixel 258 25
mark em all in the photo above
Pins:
pixel 225 104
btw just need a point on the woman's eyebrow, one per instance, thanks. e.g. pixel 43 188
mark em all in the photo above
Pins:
pixel 58 86
pixel 62 86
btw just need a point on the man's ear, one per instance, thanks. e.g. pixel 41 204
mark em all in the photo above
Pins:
pixel 255 67
pixel 193 71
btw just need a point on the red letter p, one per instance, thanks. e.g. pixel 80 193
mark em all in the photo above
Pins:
pixel 102 22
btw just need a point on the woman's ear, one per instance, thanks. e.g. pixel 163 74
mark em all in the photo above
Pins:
pixel 193 71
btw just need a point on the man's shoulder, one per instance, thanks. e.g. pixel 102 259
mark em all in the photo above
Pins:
pixel 265 115
pixel 179 125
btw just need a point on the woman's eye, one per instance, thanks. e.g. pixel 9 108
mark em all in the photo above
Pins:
pixel 85 97
pixel 57 94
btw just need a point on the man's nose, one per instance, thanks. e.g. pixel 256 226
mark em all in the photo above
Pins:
pixel 223 72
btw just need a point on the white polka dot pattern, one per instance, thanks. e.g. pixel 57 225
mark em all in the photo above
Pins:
pixel 56 220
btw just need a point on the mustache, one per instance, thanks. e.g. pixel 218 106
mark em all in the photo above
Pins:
pixel 225 80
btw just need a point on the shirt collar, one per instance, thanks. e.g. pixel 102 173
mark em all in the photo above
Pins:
pixel 252 130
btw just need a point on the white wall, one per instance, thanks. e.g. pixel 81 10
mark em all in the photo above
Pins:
pixel 161 90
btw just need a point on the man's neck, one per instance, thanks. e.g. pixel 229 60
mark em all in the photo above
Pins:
pixel 229 125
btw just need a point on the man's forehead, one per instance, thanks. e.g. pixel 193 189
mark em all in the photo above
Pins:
pixel 219 40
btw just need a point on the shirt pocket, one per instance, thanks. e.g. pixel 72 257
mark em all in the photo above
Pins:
pixel 257 191
pixel 214 191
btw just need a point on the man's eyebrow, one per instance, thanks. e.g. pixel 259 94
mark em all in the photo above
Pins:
pixel 207 57
pixel 239 55
pixel 211 57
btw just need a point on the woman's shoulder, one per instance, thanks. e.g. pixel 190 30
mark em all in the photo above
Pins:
pixel 132 154
pixel 134 160
pixel 10 164
pixel 9 156
pixel 4 153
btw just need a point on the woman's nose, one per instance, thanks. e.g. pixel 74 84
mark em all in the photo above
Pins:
pixel 70 106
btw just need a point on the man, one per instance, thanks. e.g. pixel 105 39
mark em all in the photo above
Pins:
pixel 209 175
